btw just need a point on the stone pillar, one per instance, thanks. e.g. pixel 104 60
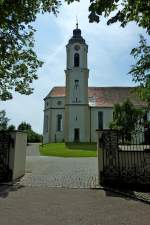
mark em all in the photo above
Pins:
pixel 17 154
pixel 99 156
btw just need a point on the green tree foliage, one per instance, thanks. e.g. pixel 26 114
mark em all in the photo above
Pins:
pixel 11 127
pixel 125 11
pixel 126 117
pixel 24 126
pixel 31 135
pixel 122 11
pixel 19 62
pixel 141 70
pixel 3 120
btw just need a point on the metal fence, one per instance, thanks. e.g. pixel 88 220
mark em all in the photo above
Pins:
pixel 126 157
pixel 5 172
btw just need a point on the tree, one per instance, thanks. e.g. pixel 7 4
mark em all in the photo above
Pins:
pixel 141 70
pixel 19 62
pixel 11 127
pixel 31 135
pixel 125 11
pixel 24 126
pixel 126 117
pixel 3 120
pixel 122 11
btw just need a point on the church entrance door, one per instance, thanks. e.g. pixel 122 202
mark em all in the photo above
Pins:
pixel 76 134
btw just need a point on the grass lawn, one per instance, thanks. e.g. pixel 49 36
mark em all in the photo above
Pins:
pixel 69 150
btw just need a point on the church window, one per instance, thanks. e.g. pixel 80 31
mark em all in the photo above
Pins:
pixel 46 124
pixel 59 122
pixel 59 103
pixel 100 120
pixel 76 91
pixel 76 83
pixel 76 60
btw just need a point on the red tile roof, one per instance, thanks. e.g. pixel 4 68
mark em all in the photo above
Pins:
pixel 104 96
pixel 57 92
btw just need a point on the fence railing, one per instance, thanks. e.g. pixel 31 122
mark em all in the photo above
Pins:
pixel 125 156
pixel 5 172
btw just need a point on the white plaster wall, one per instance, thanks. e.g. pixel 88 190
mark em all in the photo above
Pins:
pixel 82 76
pixel 82 52
pixel 80 73
pixel 18 154
pixel 52 123
pixel 55 100
pixel 107 118
pixel 52 102
pixel 47 103
pixel 46 134
pixel 57 136
pixel 82 122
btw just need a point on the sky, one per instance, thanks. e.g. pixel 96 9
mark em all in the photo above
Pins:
pixel 109 58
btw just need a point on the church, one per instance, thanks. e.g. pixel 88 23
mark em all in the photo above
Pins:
pixel 74 112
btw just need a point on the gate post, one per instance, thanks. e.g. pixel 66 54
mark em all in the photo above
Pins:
pixel 99 156
pixel 17 157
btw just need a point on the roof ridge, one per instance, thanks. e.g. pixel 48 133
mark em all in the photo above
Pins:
pixel 112 86
pixel 100 87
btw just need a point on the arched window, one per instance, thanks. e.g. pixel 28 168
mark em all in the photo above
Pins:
pixel 46 123
pixel 76 60
pixel 59 122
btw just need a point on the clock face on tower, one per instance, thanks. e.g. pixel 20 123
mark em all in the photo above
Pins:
pixel 77 47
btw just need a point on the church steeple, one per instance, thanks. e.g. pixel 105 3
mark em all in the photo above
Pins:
pixel 77 37
pixel 77 50
pixel 76 99
pixel 77 69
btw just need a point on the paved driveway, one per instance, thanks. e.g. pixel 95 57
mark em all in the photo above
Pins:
pixel 58 171
pixel 33 149
pixel 59 206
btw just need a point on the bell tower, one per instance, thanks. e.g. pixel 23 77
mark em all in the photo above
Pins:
pixel 77 73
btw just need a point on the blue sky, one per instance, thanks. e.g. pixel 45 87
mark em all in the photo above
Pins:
pixel 109 58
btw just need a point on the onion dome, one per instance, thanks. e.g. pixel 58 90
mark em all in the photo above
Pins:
pixel 77 38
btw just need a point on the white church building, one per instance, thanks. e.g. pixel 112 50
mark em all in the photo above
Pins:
pixel 74 112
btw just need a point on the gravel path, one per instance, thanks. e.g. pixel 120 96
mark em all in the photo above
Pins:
pixel 59 171
pixel 33 149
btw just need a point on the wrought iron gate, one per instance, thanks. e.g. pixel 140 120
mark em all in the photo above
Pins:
pixel 126 157
pixel 5 172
